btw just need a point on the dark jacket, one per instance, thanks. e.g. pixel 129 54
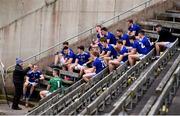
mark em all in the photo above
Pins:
pixel 166 36
pixel 19 73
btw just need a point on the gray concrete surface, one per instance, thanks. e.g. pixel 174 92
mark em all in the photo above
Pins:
pixel 6 110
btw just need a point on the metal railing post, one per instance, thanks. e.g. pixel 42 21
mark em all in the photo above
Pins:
pixel 3 81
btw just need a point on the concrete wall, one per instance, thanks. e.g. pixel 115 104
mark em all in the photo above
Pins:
pixel 51 24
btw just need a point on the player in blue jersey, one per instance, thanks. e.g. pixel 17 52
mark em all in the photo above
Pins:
pixel 124 37
pixel 96 45
pixel 138 51
pixel 81 58
pixel 69 58
pixel 59 57
pixel 122 56
pixel 145 40
pixel 111 39
pixel 32 80
pixel 97 66
pixel 108 51
pixel 133 29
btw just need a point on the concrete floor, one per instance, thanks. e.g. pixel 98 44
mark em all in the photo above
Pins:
pixel 6 110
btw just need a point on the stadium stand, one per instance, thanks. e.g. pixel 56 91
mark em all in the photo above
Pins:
pixel 124 90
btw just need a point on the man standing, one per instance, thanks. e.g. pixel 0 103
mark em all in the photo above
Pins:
pixel 18 80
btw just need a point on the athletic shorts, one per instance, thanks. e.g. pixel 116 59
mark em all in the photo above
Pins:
pixel 90 74
pixel 122 62
pixel 168 44
pixel 32 83
pixel 141 56
pixel 78 67
pixel 62 60
pixel 47 93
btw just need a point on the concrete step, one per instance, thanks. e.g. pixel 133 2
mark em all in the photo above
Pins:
pixel 173 11
pixel 166 24
pixel 168 16
pixel 172 15
pixel 154 32
pixel 175 105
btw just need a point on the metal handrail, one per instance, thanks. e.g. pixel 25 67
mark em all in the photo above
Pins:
pixel 88 30
pixel 3 80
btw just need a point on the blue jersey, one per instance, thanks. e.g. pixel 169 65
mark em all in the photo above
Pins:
pixel 111 49
pixel 140 47
pixel 100 46
pixel 33 75
pixel 98 36
pixel 134 27
pixel 70 55
pixel 122 51
pixel 62 52
pixel 111 37
pixel 126 38
pixel 99 64
pixel 83 58
pixel 146 43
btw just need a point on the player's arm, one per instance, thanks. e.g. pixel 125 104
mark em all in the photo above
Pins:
pixel 102 54
pixel 76 61
pixel 41 77
pixel 108 40
pixel 69 61
pixel 27 79
pixel 124 42
pixel 107 54
pixel 48 87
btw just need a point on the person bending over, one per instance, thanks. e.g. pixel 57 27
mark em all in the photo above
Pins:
pixel 138 51
pixel 108 51
pixel 133 29
pixel 97 66
pixel 124 37
pixel 59 57
pixel 122 56
pixel 111 39
pixel 81 59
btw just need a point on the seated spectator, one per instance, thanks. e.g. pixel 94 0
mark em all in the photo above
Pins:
pixel 99 35
pixel 68 58
pixel 111 39
pixel 81 59
pixel 138 51
pixel 165 39
pixel 133 29
pixel 98 66
pixel 145 40
pixel 59 57
pixel 122 56
pixel 108 51
pixel 54 83
pixel 124 37
pixel 32 80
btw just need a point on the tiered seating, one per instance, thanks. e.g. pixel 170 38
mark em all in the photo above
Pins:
pixel 119 90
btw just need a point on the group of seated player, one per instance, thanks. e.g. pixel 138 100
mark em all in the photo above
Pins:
pixel 108 50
